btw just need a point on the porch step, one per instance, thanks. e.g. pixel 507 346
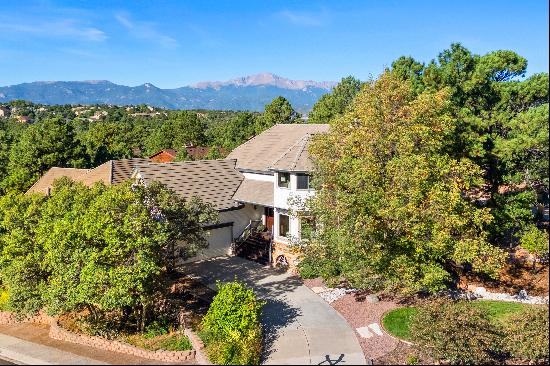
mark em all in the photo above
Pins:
pixel 255 248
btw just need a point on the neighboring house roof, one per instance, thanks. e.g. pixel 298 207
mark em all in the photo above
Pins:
pixel 214 181
pixel 164 156
pixel 110 172
pixel 259 153
pixel 296 158
pixel 255 192
pixel 44 184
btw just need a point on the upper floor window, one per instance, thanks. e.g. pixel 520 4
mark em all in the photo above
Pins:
pixel 284 180
pixel 302 181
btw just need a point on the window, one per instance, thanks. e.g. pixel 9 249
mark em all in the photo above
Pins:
pixel 284 180
pixel 284 225
pixel 303 181
pixel 307 227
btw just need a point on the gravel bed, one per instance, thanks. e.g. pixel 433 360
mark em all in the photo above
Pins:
pixel 314 282
pixel 360 314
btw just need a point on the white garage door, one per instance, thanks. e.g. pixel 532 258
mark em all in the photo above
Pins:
pixel 219 243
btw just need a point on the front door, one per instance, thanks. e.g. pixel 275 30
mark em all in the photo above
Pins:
pixel 269 220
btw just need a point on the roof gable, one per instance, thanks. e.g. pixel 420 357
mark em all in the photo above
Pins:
pixel 259 153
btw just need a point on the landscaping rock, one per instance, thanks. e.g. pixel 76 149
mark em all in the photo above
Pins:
pixel 480 291
pixel 334 294
pixel 372 299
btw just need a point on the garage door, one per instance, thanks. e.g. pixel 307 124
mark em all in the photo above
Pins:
pixel 219 243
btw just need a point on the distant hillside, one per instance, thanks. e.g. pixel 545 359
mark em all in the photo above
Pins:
pixel 246 93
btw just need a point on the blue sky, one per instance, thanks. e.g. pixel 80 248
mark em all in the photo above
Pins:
pixel 176 43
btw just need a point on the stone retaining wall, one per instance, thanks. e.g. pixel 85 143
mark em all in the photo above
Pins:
pixel 8 318
pixel 58 333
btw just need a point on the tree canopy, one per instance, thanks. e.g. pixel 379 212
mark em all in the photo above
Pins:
pixel 100 248
pixel 334 104
pixel 390 198
pixel 278 111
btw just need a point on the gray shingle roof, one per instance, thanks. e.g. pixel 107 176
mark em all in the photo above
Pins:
pixel 258 153
pixel 296 158
pixel 123 169
pixel 214 181
pixel 255 192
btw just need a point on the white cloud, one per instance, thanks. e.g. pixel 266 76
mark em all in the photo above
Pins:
pixel 65 28
pixel 305 19
pixel 145 31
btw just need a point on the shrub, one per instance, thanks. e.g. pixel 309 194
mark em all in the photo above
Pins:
pixel 535 241
pixel 231 328
pixel 4 298
pixel 527 334
pixel 455 332
pixel 312 267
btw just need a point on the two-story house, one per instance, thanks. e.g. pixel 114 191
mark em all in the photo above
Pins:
pixel 276 167
pixel 263 181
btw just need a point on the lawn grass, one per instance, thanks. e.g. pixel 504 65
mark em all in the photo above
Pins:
pixel 397 321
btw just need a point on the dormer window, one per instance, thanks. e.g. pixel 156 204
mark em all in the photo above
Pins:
pixel 284 180
pixel 302 181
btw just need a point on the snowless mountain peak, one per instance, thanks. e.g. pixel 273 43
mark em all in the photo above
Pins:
pixel 266 78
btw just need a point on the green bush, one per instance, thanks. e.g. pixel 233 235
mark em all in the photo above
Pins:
pixel 535 241
pixel 156 328
pixel 231 328
pixel 313 267
pixel 4 298
pixel 527 334
pixel 455 332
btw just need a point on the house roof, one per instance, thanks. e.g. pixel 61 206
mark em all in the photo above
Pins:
pixel 110 172
pixel 259 153
pixel 255 192
pixel 296 158
pixel 44 184
pixel 170 152
pixel 123 169
pixel 214 181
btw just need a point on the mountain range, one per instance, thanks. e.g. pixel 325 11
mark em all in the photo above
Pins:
pixel 246 93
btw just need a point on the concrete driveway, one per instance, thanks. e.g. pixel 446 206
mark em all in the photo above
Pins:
pixel 299 327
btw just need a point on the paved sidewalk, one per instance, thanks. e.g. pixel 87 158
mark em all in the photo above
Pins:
pixel 32 341
pixel 29 353
pixel 299 327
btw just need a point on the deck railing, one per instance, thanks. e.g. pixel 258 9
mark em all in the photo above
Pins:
pixel 247 231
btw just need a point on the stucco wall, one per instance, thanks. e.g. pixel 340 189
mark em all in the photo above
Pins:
pixel 219 240
pixel 281 196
